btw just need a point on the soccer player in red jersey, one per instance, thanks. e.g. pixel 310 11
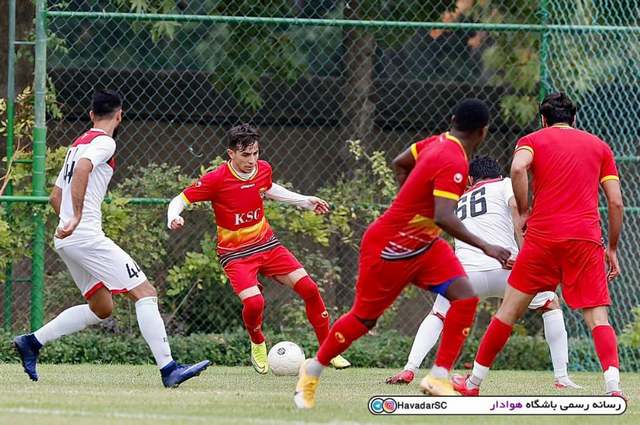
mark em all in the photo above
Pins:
pixel 563 236
pixel 246 243
pixel 403 247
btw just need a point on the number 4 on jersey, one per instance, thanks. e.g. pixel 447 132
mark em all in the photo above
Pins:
pixel 133 270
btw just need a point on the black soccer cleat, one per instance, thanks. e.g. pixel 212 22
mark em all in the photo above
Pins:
pixel 175 374
pixel 28 349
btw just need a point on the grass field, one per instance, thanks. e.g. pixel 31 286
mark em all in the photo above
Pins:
pixel 106 394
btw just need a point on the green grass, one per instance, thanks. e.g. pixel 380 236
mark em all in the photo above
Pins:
pixel 110 394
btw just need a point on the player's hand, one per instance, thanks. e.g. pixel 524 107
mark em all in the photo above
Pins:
pixel 68 228
pixel 499 253
pixel 612 262
pixel 319 206
pixel 177 223
pixel 509 264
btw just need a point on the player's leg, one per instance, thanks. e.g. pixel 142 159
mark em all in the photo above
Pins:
pixel 71 320
pixel 379 284
pixel 119 273
pixel 537 269
pixel 555 333
pixel 585 287
pixel 286 269
pixel 425 339
pixel 243 275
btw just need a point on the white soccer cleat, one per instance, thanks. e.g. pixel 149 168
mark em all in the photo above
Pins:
pixel 564 383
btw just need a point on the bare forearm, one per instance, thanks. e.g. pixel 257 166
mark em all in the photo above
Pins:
pixel 520 183
pixel 78 189
pixel 401 174
pixel 453 226
pixel 616 212
pixel 55 199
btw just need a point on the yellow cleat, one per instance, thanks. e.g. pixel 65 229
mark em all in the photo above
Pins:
pixel 437 386
pixel 340 362
pixel 305 395
pixel 259 358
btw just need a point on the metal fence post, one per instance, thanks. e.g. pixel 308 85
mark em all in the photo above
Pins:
pixel 8 284
pixel 39 174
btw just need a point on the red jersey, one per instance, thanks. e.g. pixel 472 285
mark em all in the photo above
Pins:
pixel 238 207
pixel 407 228
pixel 568 167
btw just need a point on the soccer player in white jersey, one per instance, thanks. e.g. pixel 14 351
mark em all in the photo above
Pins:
pixel 98 266
pixel 488 209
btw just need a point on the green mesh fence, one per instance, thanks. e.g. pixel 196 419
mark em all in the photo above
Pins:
pixel 310 86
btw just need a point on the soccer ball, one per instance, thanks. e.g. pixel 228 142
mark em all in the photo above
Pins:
pixel 285 358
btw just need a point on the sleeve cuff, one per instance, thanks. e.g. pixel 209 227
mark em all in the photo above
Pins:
pixel 185 199
pixel 527 148
pixel 414 151
pixel 607 178
pixel 445 194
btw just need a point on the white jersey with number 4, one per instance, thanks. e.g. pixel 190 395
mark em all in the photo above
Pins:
pixel 484 209
pixel 99 148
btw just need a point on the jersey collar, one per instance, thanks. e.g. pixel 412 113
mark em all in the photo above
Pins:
pixel 238 176
pixel 561 126
pixel 457 141
pixel 483 182
pixel 98 129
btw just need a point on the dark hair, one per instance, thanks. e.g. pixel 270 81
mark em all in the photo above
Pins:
pixel 470 114
pixel 242 136
pixel 557 107
pixel 484 167
pixel 105 103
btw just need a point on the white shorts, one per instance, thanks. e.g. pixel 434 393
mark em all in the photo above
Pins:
pixel 99 263
pixel 492 284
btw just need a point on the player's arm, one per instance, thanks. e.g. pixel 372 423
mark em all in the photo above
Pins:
pixel 202 190
pixel 615 207
pixel 404 163
pixel 176 206
pixel 282 194
pixel 446 218
pixel 520 180
pixel 55 198
pixel 517 221
pixel 79 181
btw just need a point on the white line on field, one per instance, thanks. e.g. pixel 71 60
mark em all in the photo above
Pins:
pixel 157 417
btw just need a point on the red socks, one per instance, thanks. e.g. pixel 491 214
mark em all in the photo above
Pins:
pixel 456 328
pixel 493 341
pixel 343 332
pixel 604 339
pixel 316 311
pixel 252 309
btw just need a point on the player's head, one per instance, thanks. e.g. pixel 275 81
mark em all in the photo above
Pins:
pixel 471 117
pixel 243 148
pixel 482 168
pixel 557 108
pixel 106 105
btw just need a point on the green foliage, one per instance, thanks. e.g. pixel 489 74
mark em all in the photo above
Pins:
pixel 631 333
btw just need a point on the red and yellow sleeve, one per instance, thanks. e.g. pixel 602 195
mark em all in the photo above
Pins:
pixel 201 190
pixel 418 147
pixel 608 169
pixel 525 144
pixel 450 182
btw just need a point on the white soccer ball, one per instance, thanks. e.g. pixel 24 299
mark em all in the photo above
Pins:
pixel 285 358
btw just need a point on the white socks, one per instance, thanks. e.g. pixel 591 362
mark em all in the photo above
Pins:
pixel 612 379
pixel 314 367
pixel 153 331
pixel 478 375
pixel 71 320
pixel 426 337
pixel 556 335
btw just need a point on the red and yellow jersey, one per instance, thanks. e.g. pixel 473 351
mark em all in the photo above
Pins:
pixel 238 207
pixel 568 167
pixel 407 228
pixel 420 145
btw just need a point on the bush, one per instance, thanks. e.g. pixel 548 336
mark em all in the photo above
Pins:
pixel 386 349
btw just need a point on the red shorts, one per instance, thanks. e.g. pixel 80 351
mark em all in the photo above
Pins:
pixel 381 281
pixel 243 272
pixel 577 265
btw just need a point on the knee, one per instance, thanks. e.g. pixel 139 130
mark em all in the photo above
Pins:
pixel 254 303
pixel 103 310
pixel 596 317
pixel 306 288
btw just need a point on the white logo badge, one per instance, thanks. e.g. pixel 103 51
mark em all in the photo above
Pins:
pixel 457 178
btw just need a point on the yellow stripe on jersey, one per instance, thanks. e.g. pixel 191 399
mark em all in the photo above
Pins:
pixel 414 151
pixel 184 198
pixel 445 194
pixel 238 176
pixel 527 148
pixel 458 142
pixel 607 178
pixel 242 236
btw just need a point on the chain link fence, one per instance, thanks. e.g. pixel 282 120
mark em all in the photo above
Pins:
pixel 311 81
